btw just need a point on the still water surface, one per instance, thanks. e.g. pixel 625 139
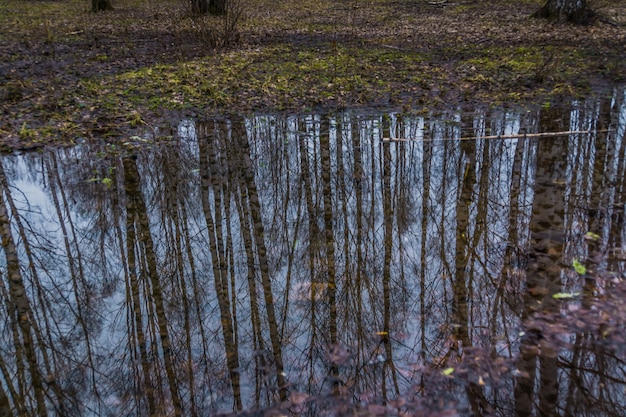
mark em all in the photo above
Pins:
pixel 308 265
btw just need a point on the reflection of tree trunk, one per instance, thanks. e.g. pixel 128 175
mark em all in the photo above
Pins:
pixel 255 315
pixel 18 400
pixel 5 405
pixel 543 279
pixel 388 217
pixel 197 293
pixel 136 205
pixel 330 241
pixel 259 240
pixel 518 186
pixel 610 176
pixel 134 302
pixel 173 206
pixel 313 236
pixel 288 200
pixel 75 263
pixel 465 244
pixel 426 173
pixel 342 197
pixel 360 261
pixel 41 314
pixel 513 256
pixel 525 384
pixel 20 305
pixel 246 226
pixel 208 161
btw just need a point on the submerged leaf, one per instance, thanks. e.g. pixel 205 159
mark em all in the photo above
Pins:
pixel 565 295
pixel 448 371
pixel 580 268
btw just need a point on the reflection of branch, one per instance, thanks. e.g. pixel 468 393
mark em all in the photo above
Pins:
pixel 564 363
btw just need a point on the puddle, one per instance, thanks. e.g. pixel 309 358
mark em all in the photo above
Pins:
pixel 322 265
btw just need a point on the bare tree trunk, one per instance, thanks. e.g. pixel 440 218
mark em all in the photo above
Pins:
pixel 574 11
pixel 217 7
pixel 101 5
pixel 200 7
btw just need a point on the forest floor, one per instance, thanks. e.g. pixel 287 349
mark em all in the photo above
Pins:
pixel 69 75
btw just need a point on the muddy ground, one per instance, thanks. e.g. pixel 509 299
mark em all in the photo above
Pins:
pixel 69 75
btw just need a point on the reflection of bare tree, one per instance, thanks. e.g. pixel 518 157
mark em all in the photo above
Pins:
pixel 394 255
pixel 467 238
pixel 619 130
pixel 594 368
pixel 137 221
pixel 136 334
pixel 464 240
pixel 542 281
pixel 213 191
pixel 255 221
pixel 610 178
pixel 307 170
pixel 356 285
pixel 176 194
pixel 423 281
pixel 28 373
pixel 227 173
pixel 80 288
pixel 5 403
pixel 595 376
pixel 514 257
pixel 388 219
pixel 329 240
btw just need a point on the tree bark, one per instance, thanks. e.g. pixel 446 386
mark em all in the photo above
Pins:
pixel 217 7
pixel 573 11
pixel 200 7
pixel 101 5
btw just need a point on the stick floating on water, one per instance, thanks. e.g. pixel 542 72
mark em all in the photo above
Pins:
pixel 517 136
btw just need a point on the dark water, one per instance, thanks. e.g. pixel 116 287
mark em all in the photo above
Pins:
pixel 305 266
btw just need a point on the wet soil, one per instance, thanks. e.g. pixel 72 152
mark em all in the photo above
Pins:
pixel 69 75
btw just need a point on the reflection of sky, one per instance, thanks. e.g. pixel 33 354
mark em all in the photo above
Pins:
pixel 425 184
pixel 34 202
pixel 31 195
